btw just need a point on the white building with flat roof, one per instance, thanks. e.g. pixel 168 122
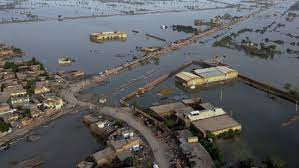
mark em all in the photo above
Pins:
pixel 206 113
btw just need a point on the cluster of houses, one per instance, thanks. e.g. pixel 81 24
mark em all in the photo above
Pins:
pixel 121 145
pixel 122 142
pixel 27 92
pixel 217 21
pixel 6 50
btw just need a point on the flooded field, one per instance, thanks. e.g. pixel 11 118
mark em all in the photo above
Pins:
pixel 260 115
pixel 71 38
pixel 30 10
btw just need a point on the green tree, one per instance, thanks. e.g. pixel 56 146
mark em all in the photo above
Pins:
pixel 128 162
pixel 30 87
pixel 156 61
pixel 4 127
pixel 247 163
pixel 287 86
pixel 170 123
pixel 16 50
pixel 34 60
pixel 11 65
pixel 2 87
pixel 274 163
pixel 27 113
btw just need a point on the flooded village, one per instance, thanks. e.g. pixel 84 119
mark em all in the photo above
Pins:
pixel 197 83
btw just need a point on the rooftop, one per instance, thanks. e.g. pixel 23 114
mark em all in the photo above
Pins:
pixel 118 144
pixel 213 71
pixel 216 123
pixel 107 152
pixel 208 72
pixel 207 106
pixel 106 33
pixel 186 76
pixel 191 101
pixel 167 107
pixel 184 110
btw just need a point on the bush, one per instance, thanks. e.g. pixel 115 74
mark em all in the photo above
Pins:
pixel 288 86
pixel 170 123
pixel 4 127
pixel 16 50
pixel 247 163
pixel 229 134
pixel 30 87
pixel 11 65
pixel 214 151
pixel 128 162
pixel 274 163
pixel 26 113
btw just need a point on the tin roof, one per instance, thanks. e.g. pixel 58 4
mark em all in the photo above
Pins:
pixel 186 76
pixel 208 72
pixel 224 69
pixel 213 71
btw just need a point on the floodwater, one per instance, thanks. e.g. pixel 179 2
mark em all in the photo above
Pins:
pixel 260 116
pixel 23 10
pixel 63 143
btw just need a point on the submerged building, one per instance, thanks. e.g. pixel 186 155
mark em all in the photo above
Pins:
pixel 216 125
pixel 101 36
pixel 205 76
pixel 214 74
pixel 188 79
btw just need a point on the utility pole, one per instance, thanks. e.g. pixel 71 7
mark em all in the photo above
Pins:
pixel 221 95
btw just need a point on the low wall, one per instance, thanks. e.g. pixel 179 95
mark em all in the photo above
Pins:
pixel 268 89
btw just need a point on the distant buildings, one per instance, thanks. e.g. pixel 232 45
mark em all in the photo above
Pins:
pixel 65 61
pixel 53 102
pixel 25 92
pixel 5 109
pixel 41 87
pixel 102 36
pixel 5 50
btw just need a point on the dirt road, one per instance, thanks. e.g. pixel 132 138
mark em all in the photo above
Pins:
pixel 124 114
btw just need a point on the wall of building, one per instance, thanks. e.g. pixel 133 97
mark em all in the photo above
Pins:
pixel 239 127
pixel 206 114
